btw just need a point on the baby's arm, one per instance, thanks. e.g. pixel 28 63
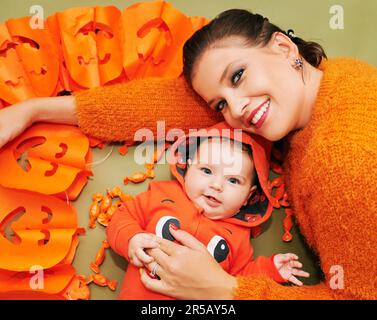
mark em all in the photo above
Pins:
pixel 129 220
pixel 280 267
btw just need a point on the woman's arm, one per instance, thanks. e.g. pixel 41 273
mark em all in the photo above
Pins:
pixel 188 271
pixel 18 117
pixel 115 112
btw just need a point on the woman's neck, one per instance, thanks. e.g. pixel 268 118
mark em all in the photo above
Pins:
pixel 312 77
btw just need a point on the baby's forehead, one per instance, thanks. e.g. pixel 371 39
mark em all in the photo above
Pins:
pixel 218 149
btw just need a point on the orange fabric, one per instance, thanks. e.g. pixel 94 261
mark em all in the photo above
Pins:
pixel 165 202
pixel 117 112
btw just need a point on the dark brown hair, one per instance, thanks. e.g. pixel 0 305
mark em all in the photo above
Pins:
pixel 255 29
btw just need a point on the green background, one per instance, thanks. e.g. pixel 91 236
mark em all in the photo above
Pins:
pixel 309 19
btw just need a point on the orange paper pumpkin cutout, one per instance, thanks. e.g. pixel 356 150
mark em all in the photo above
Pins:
pixel 17 284
pixel 154 37
pixel 91 44
pixel 42 234
pixel 29 62
pixel 87 47
pixel 57 156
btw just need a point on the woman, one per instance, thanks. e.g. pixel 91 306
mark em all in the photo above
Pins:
pixel 276 85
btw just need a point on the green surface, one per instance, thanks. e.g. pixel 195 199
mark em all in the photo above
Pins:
pixel 309 19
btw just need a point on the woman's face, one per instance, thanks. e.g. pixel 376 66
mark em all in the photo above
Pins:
pixel 256 88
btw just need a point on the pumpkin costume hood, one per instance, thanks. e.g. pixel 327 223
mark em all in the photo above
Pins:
pixel 259 207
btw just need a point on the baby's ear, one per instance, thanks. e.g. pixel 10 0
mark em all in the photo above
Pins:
pixel 253 189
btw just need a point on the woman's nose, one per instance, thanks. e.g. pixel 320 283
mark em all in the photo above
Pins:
pixel 237 106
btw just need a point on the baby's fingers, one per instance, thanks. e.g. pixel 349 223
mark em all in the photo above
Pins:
pixel 294 280
pixel 300 273
pixel 295 264
pixel 136 262
pixel 148 243
pixel 143 257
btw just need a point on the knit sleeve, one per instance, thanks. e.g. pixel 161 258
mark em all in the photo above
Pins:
pixel 116 112
pixel 263 288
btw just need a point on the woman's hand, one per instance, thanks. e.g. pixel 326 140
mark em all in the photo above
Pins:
pixel 17 118
pixel 289 267
pixel 187 271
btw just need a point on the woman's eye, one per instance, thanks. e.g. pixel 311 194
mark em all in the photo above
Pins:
pixel 234 181
pixel 237 76
pixel 220 106
pixel 206 170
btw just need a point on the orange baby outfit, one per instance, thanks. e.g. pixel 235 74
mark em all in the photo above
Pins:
pixel 166 202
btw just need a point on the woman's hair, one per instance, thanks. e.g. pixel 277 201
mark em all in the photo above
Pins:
pixel 255 29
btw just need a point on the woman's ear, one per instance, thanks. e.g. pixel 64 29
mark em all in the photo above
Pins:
pixel 253 189
pixel 282 44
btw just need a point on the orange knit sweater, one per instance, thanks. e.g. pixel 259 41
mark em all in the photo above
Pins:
pixel 114 113
pixel 331 168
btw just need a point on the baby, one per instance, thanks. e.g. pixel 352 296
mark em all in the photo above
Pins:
pixel 215 197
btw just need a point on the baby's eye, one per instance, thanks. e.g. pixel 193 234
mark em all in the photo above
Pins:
pixel 237 76
pixel 234 181
pixel 220 106
pixel 206 170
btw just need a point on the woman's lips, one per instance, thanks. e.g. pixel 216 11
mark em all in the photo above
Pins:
pixel 259 115
pixel 212 201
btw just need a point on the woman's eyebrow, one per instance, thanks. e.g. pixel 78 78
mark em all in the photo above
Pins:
pixel 227 69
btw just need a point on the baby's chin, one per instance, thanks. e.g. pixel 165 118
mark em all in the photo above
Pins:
pixel 216 215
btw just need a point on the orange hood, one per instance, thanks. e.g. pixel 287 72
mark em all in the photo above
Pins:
pixel 259 208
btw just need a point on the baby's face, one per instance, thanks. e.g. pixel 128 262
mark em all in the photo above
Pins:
pixel 219 178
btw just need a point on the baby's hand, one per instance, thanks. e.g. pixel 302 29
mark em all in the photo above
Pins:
pixel 136 246
pixel 288 266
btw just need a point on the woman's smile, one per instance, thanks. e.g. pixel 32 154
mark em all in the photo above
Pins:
pixel 259 115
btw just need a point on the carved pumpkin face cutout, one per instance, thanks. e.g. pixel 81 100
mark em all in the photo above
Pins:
pixel 156 33
pixel 16 285
pixel 91 44
pixel 29 64
pixel 55 164
pixel 42 233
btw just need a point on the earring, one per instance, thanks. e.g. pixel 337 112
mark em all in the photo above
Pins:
pixel 298 63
